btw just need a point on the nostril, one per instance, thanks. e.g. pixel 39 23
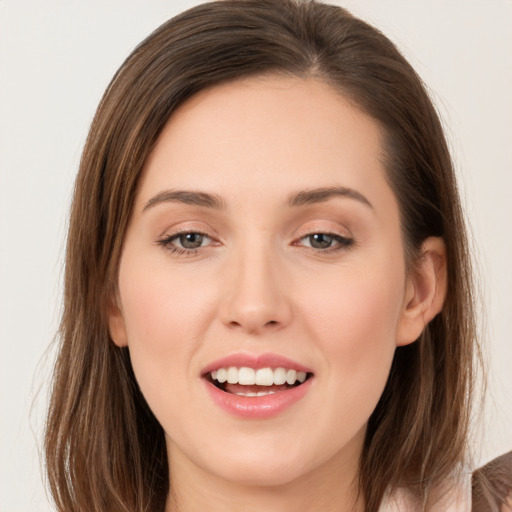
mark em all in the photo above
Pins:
pixel 238 325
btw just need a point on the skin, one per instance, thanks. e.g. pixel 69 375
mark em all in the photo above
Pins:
pixel 257 286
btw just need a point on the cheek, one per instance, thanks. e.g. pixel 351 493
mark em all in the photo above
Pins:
pixel 162 316
pixel 160 308
pixel 358 308
pixel 355 322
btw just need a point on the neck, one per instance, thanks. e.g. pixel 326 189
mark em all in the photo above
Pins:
pixel 331 487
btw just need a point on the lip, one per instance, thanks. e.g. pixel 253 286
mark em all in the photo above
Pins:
pixel 255 362
pixel 258 407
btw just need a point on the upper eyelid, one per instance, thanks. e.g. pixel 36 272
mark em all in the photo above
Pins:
pixel 300 233
pixel 306 228
pixel 345 240
pixel 344 233
pixel 333 234
pixel 174 232
pixel 177 234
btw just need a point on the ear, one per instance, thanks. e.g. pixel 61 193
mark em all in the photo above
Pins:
pixel 116 326
pixel 425 291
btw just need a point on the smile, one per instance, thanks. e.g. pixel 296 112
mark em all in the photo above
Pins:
pixel 258 387
pixel 252 382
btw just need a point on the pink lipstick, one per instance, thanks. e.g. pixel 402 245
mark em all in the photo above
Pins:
pixel 256 386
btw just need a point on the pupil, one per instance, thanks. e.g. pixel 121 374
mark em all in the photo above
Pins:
pixel 320 241
pixel 191 240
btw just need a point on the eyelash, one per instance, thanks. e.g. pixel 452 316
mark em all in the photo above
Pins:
pixel 166 242
pixel 343 243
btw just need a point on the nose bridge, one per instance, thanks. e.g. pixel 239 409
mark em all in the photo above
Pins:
pixel 255 299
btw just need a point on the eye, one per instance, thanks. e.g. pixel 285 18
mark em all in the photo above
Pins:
pixel 326 242
pixel 191 240
pixel 186 242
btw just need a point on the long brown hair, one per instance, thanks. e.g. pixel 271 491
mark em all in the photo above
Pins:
pixel 104 448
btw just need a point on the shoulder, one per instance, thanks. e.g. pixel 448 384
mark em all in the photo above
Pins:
pixel 454 497
pixel 488 489
pixel 492 486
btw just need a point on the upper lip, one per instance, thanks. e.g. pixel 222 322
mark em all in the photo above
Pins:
pixel 255 361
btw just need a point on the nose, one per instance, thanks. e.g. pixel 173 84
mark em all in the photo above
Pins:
pixel 255 295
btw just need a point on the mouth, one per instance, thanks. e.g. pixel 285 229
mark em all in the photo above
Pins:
pixel 256 382
pixel 257 386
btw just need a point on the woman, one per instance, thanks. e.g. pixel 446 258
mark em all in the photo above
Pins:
pixel 268 299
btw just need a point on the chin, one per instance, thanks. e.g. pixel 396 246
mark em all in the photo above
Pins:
pixel 260 473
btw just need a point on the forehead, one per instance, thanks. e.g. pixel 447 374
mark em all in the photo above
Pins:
pixel 267 135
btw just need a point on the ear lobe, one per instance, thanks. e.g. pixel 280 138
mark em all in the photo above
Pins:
pixel 116 326
pixel 425 291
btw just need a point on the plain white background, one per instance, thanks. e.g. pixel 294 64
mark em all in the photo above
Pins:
pixel 56 58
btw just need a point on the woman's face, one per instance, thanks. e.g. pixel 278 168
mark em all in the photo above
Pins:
pixel 265 237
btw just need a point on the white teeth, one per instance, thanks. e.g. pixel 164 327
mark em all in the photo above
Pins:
pixel 259 393
pixel 222 375
pixel 263 393
pixel 262 377
pixel 265 377
pixel 279 376
pixel 246 376
pixel 232 374
pixel 291 377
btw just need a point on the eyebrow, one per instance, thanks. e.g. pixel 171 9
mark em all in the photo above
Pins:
pixel 187 197
pixel 319 195
pixel 214 201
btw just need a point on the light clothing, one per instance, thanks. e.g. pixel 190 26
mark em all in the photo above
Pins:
pixel 457 499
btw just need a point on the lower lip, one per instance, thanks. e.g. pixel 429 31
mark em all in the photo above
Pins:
pixel 257 407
